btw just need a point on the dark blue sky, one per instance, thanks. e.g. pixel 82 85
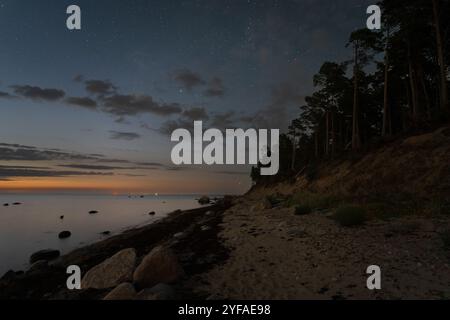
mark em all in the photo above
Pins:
pixel 138 69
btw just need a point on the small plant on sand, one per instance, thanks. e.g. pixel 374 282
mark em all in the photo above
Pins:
pixel 302 210
pixel 349 216
pixel 313 200
pixel 274 200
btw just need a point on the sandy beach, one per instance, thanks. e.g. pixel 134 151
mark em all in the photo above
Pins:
pixel 275 254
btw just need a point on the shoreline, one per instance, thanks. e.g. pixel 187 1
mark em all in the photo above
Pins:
pixel 247 248
pixel 48 282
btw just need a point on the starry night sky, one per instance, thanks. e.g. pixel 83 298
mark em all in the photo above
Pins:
pixel 92 110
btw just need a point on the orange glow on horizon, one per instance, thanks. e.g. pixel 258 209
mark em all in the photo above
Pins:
pixel 168 184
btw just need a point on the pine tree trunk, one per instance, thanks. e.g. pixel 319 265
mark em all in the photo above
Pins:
pixel 441 61
pixel 294 151
pixel 387 122
pixel 413 86
pixel 316 143
pixel 356 140
pixel 327 135
pixel 333 135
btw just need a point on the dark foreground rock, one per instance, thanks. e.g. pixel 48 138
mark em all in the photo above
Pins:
pixel 160 265
pixel 124 291
pixel 111 272
pixel 47 254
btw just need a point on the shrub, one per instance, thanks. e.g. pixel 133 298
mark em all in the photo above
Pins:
pixel 313 200
pixel 302 210
pixel 349 216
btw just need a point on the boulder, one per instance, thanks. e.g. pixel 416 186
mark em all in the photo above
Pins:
pixel 205 228
pixel 152 213
pixel 64 234
pixel 6 204
pixel 160 265
pixel 179 235
pixel 47 254
pixel 111 272
pixel 124 291
pixel 106 233
pixel 204 200
pixel 93 212
pixel 40 264
pixel 61 217
pixel 17 203
pixel 159 292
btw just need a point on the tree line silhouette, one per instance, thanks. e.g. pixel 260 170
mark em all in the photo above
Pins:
pixel 396 83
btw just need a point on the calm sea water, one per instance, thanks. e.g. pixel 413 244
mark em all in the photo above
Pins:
pixel 35 224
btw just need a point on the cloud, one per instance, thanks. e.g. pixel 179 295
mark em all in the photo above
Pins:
pixel 196 114
pixel 14 172
pixel 223 120
pixel 100 87
pixel 84 102
pixel 11 152
pixel 37 93
pixel 285 96
pixel 188 79
pixel 90 167
pixel 137 166
pixel 6 95
pixel 117 135
pixel 171 125
pixel 78 78
pixel 128 105
pixel 16 145
pixel 215 88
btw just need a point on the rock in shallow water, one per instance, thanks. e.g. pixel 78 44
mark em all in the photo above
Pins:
pixel 204 200
pixel 160 265
pixel 64 234
pixel 111 272
pixel 47 254
pixel 124 291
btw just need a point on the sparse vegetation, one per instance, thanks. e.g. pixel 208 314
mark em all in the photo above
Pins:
pixel 350 216
pixel 275 200
pixel 314 201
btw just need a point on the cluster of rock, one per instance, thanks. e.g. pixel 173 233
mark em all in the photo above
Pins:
pixel 14 204
pixel 150 280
